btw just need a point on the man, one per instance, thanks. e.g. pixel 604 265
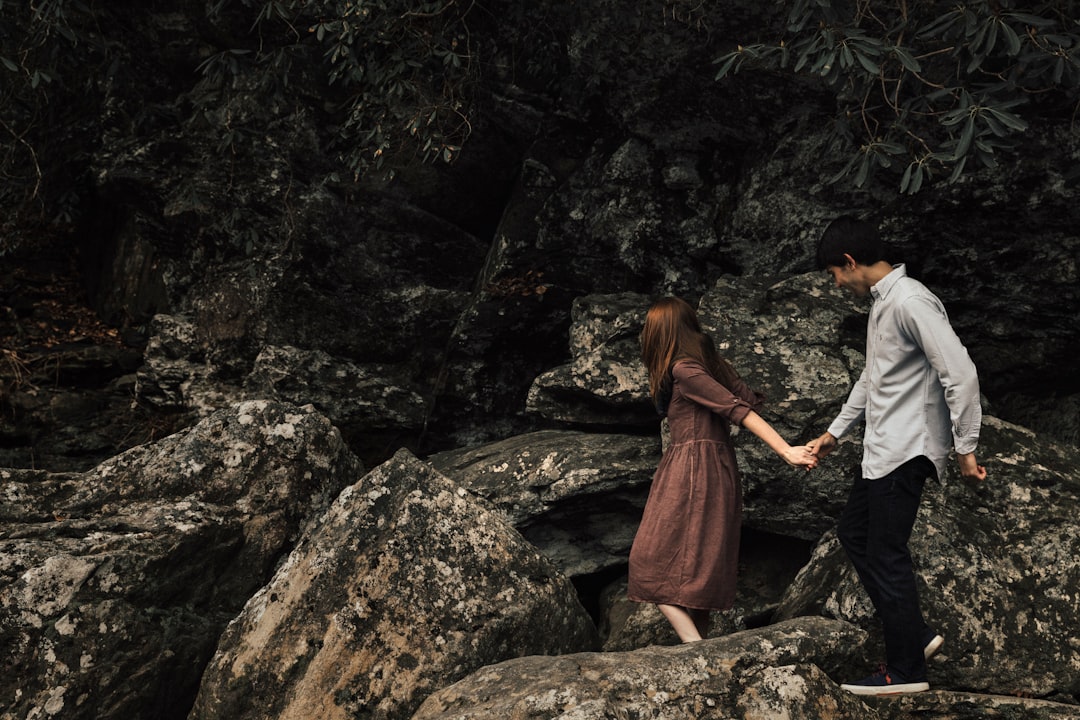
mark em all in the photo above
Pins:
pixel 918 398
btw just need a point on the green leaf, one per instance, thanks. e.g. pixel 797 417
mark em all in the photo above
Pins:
pixel 995 127
pixel 1029 19
pixel 906 59
pixel 729 63
pixel 940 25
pixel 864 170
pixel 958 170
pixel 868 65
pixel 9 65
pixel 905 179
pixel 1011 39
pixel 916 180
pixel 1010 120
pixel 965 138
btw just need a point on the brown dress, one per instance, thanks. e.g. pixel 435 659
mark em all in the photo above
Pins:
pixel 686 550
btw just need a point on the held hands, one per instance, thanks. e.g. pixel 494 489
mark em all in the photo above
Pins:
pixel 807 456
pixel 800 456
pixel 823 445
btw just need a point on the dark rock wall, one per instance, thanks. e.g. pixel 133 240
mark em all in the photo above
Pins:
pixel 618 172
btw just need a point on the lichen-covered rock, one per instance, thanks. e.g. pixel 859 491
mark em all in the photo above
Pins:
pixel 605 383
pixel 177 375
pixel 998 571
pixel 779 671
pixel 116 582
pixel 347 393
pixel 408 584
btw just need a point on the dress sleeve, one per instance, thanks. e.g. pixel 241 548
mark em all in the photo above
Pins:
pixel 697 385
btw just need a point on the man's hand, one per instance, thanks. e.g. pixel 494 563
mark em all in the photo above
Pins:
pixel 970 469
pixel 823 445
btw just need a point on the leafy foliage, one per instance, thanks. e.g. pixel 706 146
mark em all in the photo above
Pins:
pixel 929 88
pixel 45 50
pixel 395 68
pixel 410 76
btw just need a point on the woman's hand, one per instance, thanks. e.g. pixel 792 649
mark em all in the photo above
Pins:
pixel 800 456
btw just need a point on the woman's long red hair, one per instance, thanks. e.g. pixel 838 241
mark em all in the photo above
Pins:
pixel 672 333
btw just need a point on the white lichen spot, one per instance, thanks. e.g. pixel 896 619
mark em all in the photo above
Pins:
pixel 1014 460
pixel 65 626
pixel 55 703
pixel 284 430
pixel 1019 494
pixel 192 467
pixel 235 455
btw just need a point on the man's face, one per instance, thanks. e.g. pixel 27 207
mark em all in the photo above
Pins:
pixel 848 276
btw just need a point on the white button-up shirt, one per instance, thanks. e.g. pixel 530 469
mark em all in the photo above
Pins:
pixel 919 392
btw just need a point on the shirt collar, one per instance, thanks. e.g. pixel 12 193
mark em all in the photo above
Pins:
pixel 886 283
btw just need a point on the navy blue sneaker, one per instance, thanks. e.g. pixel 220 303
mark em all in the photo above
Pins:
pixel 884 682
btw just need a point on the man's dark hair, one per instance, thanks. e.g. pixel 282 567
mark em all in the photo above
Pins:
pixel 849 235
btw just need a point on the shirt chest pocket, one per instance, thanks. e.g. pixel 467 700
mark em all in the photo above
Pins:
pixel 892 342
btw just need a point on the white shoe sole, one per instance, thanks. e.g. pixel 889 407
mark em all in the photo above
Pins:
pixel 933 646
pixel 898 689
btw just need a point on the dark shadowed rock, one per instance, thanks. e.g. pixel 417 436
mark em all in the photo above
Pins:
pixel 945 705
pixel 577 496
pixel 407 584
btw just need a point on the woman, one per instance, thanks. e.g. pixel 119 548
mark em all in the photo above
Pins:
pixel 685 555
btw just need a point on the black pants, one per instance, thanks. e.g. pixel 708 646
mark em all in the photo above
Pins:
pixel 874 530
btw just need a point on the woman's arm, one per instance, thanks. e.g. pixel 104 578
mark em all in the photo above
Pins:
pixel 799 456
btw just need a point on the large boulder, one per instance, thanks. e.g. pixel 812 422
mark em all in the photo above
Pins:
pixel 118 581
pixel 408 584
pixel 779 671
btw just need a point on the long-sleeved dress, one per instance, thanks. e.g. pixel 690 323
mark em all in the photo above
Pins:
pixel 686 550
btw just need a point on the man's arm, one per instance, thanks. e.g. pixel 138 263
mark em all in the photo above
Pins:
pixel 927 323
